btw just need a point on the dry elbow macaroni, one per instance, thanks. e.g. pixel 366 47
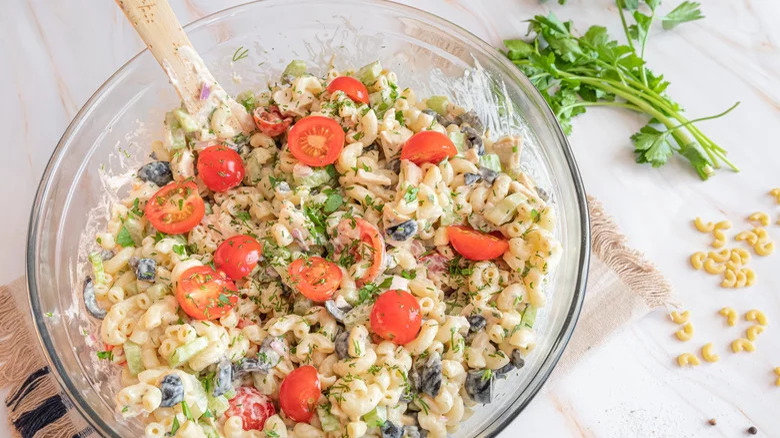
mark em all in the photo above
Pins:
pixel 476 316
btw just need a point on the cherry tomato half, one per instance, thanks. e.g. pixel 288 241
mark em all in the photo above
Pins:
pixel 252 406
pixel 220 168
pixel 270 121
pixel 428 147
pixel 373 247
pixel 475 245
pixel 299 393
pixel 206 294
pixel 316 140
pixel 238 256
pixel 175 208
pixel 396 317
pixel 316 278
pixel 353 88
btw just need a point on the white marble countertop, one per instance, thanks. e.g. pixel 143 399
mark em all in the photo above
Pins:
pixel 56 54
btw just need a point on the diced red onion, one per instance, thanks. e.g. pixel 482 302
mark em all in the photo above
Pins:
pixel 205 91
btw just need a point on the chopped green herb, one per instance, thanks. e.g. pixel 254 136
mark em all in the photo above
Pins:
pixel 175 426
pixel 124 238
pixel 411 194
pixel 136 210
pixel 332 203
pixel 240 54
pixel 409 275
pixel 105 355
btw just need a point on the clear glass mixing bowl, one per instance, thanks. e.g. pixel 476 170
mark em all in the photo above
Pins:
pixel 111 135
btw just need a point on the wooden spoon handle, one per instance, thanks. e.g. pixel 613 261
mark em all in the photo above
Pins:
pixel 158 26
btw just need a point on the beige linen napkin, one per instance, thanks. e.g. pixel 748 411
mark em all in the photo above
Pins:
pixel 621 287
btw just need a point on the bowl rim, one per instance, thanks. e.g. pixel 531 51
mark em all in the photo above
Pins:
pixel 550 360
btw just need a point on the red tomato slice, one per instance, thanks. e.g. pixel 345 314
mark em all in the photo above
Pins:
pixel 270 121
pixel 373 247
pixel 475 245
pixel 220 168
pixel 175 208
pixel 206 294
pixel 316 140
pixel 299 393
pixel 252 406
pixel 238 256
pixel 365 244
pixel 428 147
pixel 353 88
pixel 316 278
pixel 396 317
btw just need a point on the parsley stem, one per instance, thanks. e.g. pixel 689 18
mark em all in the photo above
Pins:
pixel 599 103
pixel 625 25
pixel 644 44
pixel 681 137
pixel 662 103
pixel 648 96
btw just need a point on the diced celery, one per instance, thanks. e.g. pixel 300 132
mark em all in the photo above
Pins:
pixel 135 227
pixel 157 291
pixel 295 68
pixel 186 351
pixel 318 177
pixel 368 73
pixel 505 210
pixel 247 99
pixel 529 316
pixel 448 218
pixel 438 104
pixel 97 268
pixel 381 101
pixel 186 121
pixel 490 161
pixel 133 356
pixel 328 421
pixel 457 139
pixel 199 401
pixel 230 394
pixel 218 405
pixel 175 138
pixel 208 430
pixel 376 417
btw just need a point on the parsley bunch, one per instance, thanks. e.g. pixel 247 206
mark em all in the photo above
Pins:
pixel 574 73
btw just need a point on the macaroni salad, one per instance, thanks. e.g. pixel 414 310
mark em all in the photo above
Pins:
pixel 357 262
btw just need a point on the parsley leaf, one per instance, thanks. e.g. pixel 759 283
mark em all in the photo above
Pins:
pixel 652 146
pixel 105 355
pixel 409 275
pixel 332 203
pixel 684 12
pixel 181 250
pixel 124 238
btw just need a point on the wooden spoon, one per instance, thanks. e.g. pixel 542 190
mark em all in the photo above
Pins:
pixel 158 26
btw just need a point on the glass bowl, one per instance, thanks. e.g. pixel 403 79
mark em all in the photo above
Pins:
pixel 111 135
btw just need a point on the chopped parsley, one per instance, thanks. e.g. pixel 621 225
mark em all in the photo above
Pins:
pixel 411 194
pixel 124 238
pixel 371 290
